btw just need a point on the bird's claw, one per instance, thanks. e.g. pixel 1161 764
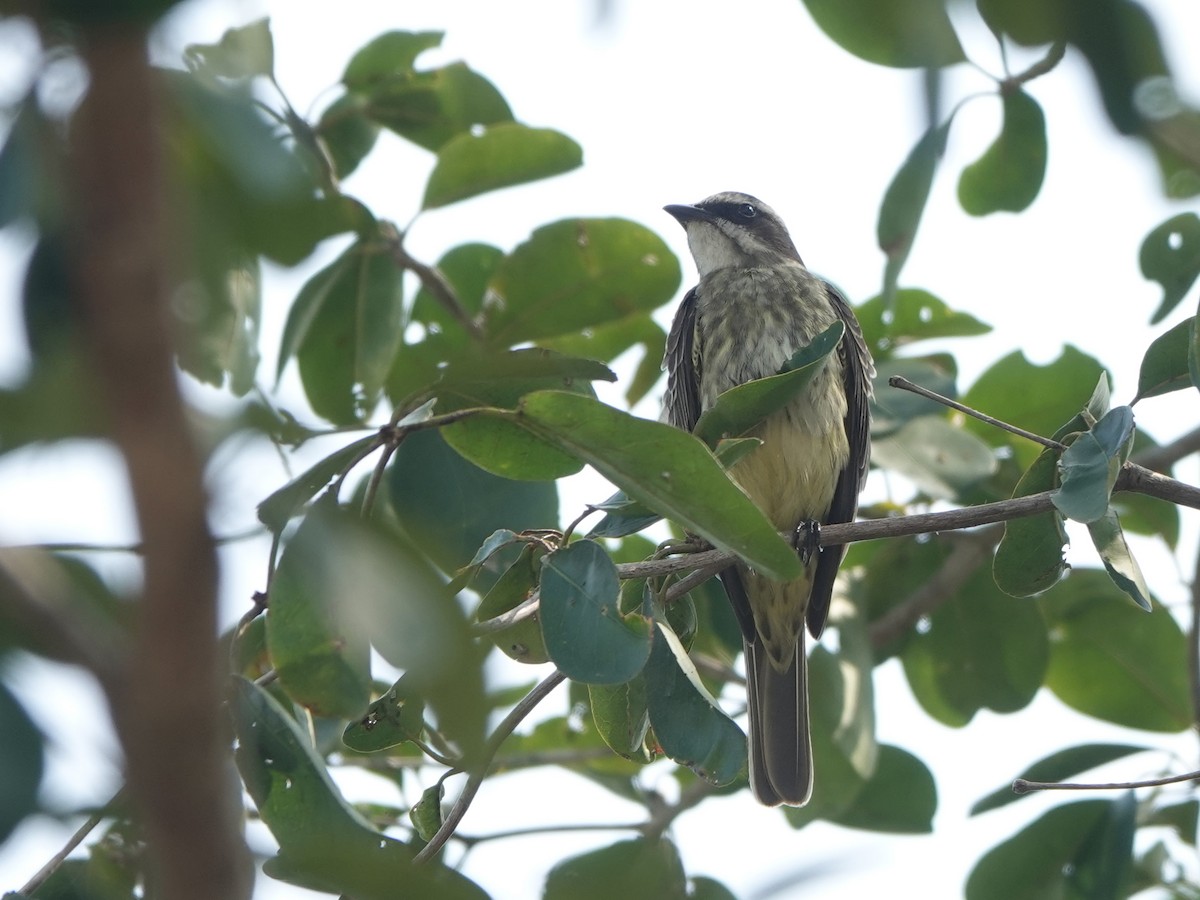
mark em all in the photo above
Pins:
pixel 806 540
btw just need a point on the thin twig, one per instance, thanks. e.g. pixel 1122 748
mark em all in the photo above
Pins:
pixel 899 381
pixel 43 874
pixel 432 280
pixel 472 840
pixel 475 778
pixel 1021 786
pixel 1038 69
pixel 662 817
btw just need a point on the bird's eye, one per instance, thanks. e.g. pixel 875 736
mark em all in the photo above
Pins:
pixel 746 211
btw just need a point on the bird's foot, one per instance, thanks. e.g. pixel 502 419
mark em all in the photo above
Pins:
pixel 806 539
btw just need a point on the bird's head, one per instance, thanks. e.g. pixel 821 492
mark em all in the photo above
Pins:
pixel 732 229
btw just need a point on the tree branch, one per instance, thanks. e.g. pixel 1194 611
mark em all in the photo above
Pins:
pixel 475 778
pixel 1159 459
pixel 167 707
pixel 1021 786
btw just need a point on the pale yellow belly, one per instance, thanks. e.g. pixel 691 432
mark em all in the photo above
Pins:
pixel 791 478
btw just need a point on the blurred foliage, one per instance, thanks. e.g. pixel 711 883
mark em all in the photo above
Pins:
pixel 474 377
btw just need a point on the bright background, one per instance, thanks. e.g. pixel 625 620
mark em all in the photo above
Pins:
pixel 672 101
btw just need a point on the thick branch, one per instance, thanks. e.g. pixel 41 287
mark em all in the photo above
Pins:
pixel 167 709
pixel 1159 459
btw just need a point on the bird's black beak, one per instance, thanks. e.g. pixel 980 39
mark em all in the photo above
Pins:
pixel 684 213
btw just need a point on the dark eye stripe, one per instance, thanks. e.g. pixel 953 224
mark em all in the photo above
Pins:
pixel 734 212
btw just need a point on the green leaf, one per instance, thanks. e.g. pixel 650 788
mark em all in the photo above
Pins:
pixel 664 468
pixel 916 34
pixel 586 635
pixel 468 268
pixel 394 718
pixel 324 844
pixel 904 202
pixel 913 315
pixel 705 888
pixel 346 133
pixel 21 763
pixel 390 55
pixel 344 329
pixel 278 509
pixel 241 53
pixel 426 814
pixel 244 192
pixel 981 650
pixel 318 644
pixel 740 409
pixel 1078 850
pixel 899 798
pixel 1179 816
pixel 1118 560
pixel 1097 406
pixel 449 506
pixel 893 407
pixel 940 458
pixel 1115 662
pixel 688 725
pixel 576 274
pixel 417 625
pixel 889 571
pixel 1029 558
pixel 522 641
pixel 1166 363
pixel 1090 466
pixel 501 380
pixel 1058 766
pixel 1170 255
pixel 1036 398
pixel 430 108
pixel 631 869
pixel 1009 175
pixel 622 517
pixel 500 156
pixel 625 516
pixel 621 716
pixel 608 341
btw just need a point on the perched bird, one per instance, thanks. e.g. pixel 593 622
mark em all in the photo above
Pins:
pixel 755 306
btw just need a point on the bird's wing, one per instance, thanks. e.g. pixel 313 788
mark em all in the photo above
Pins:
pixel 681 403
pixel 857 372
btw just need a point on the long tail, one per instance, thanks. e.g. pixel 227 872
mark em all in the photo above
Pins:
pixel 781 769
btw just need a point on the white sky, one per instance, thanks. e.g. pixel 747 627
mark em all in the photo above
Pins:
pixel 673 101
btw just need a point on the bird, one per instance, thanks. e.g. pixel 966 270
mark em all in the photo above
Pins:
pixel 755 305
